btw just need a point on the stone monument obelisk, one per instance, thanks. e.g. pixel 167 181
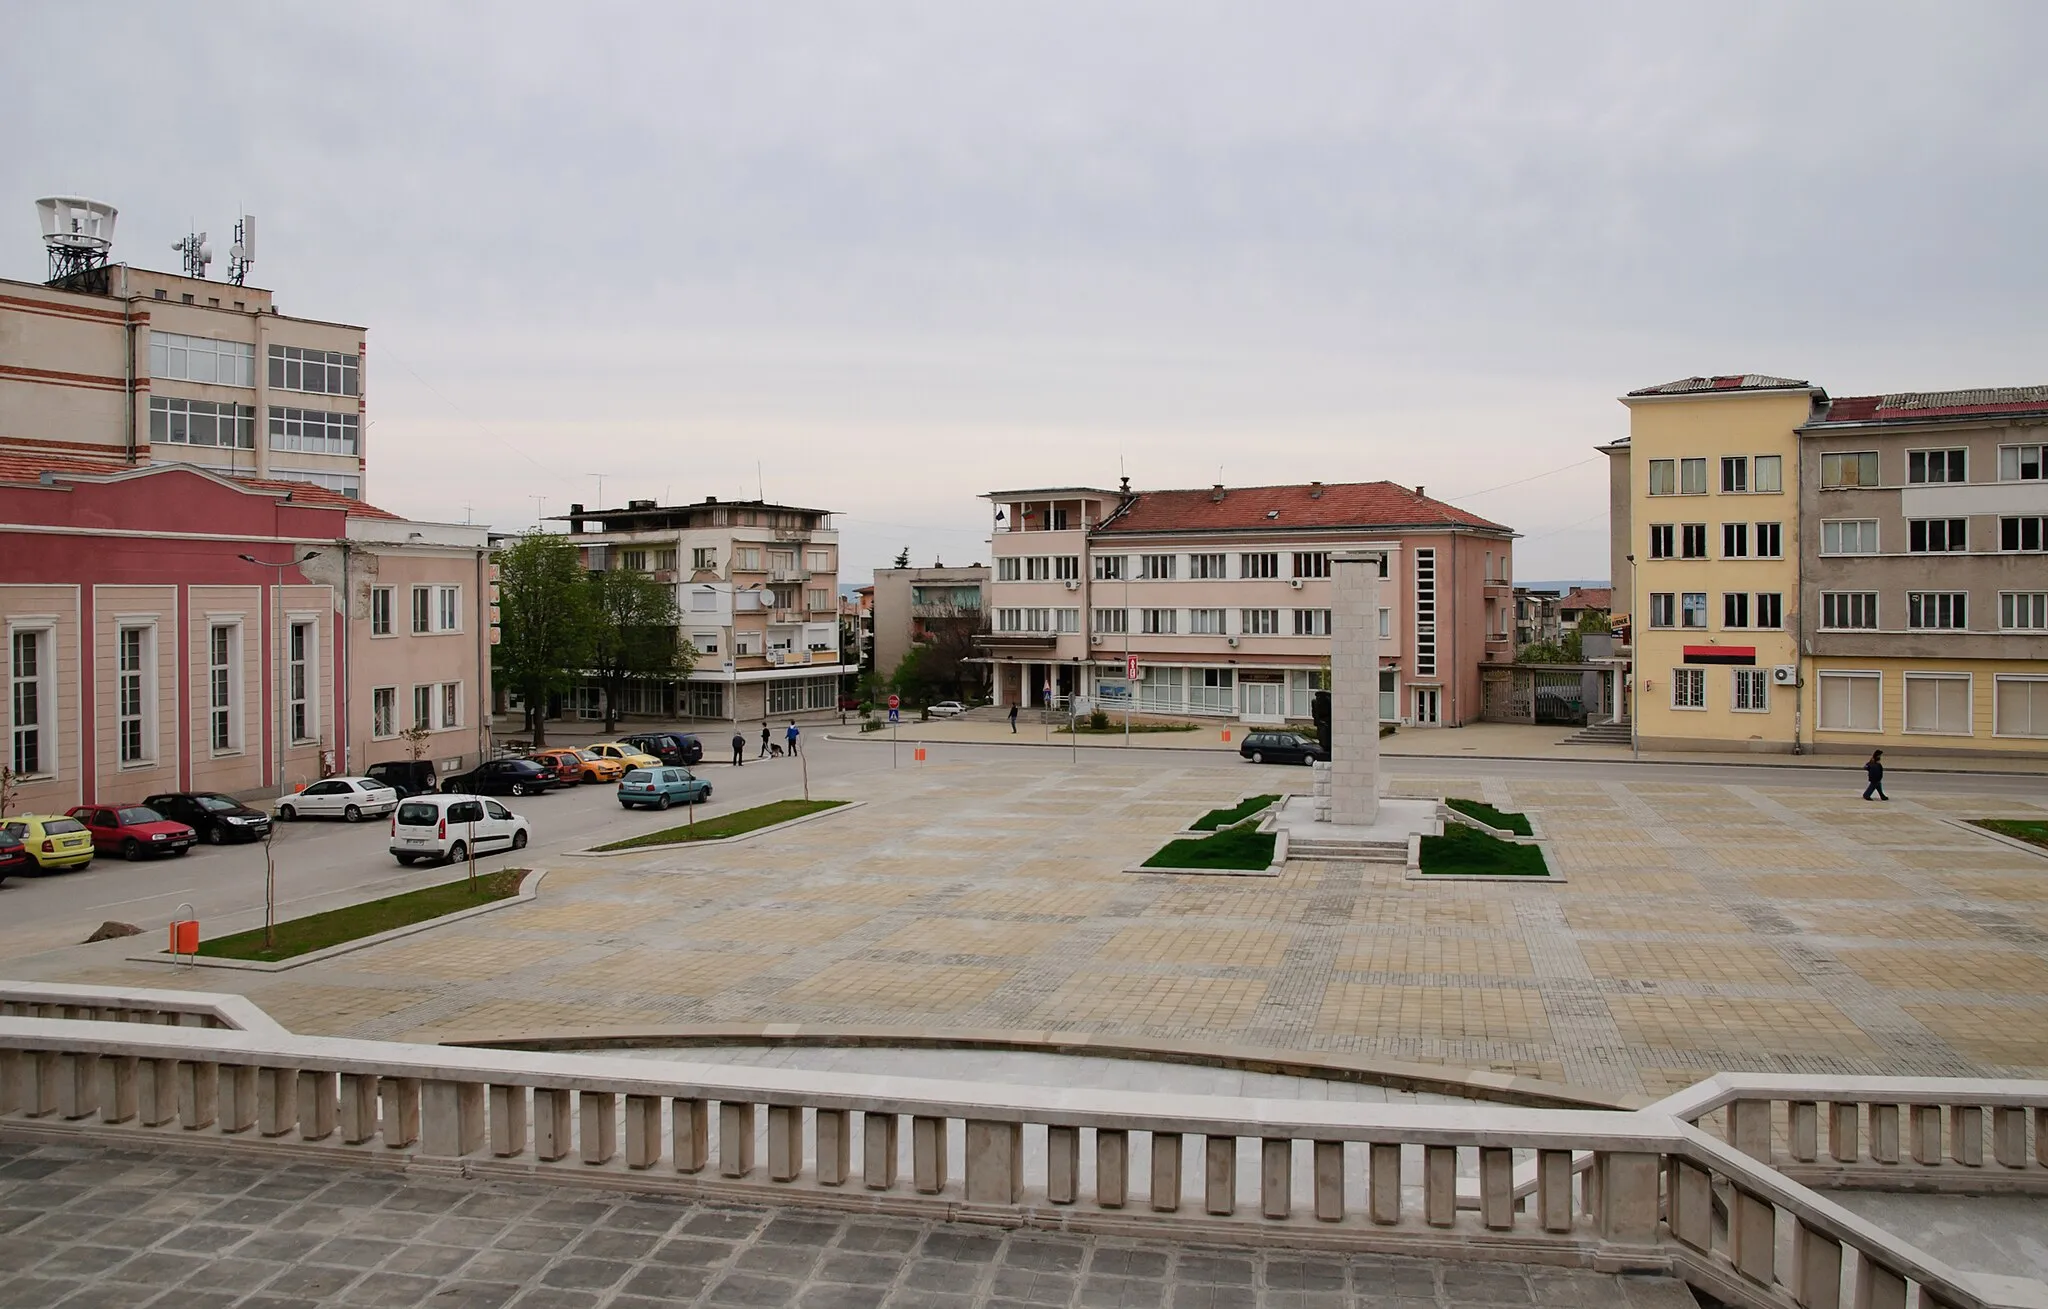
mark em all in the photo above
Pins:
pixel 1354 688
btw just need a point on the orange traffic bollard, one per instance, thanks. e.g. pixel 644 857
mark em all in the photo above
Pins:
pixel 1226 736
pixel 918 754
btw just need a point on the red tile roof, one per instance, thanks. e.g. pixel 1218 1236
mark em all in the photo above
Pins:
pixel 27 466
pixel 1588 597
pixel 1927 406
pixel 1382 505
pixel 1727 382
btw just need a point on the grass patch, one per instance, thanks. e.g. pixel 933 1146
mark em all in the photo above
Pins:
pixel 1216 818
pixel 1235 848
pixel 1505 820
pixel 1117 728
pixel 736 823
pixel 2032 831
pixel 1469 852
pixel 336 926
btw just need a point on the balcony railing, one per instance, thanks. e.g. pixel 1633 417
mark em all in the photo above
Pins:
pixel 1649 1189
pixel 1018 640
pixel 945 611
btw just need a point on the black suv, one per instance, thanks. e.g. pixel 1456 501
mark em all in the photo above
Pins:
pixel 507 777
pixel 1281 748
pixel 406 776
pixel 217 818
pixel 672 748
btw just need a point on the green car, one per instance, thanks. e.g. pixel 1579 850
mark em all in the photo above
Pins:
pixel 658 788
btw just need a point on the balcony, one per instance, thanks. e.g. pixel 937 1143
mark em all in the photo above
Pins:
pixel 789 575
pixel 1000 641
pixel 944 611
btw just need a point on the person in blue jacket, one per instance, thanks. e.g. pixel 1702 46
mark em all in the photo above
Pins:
pixel 1874 770
pixel 791 734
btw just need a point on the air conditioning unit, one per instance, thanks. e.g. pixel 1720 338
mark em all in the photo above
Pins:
pixel 1073 585
pixel 1231 640
pixel 1295 583
pixel 1096 639
pixel 1785 675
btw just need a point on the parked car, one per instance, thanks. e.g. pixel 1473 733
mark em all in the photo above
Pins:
pixel 55 842
pixel 632 756
pixel 580 765
pixel 448 827
pixel 669 747
pixel 1281 748
pixel 662 787
pixel 849 704
pixel 351 799
pixel 217 818
pixel 946 709
pixel 134 831
pixel 406 776
pixel 14 859
pixel 506 777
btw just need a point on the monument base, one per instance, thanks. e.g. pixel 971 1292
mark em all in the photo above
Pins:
pixel 1310 836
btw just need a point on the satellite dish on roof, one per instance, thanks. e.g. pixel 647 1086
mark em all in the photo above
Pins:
pixel 77 233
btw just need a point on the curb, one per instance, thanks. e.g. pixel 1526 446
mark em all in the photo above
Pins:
pixel 1967 825
pixel 841 807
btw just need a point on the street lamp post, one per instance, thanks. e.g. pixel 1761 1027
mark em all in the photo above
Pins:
pixel 277 700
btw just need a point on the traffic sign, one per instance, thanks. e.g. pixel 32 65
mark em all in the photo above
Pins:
pixel 895 702
pixel 895 715
pixel 1131 668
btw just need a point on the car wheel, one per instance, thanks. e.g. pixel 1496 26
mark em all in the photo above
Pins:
pixel 662 801
pixel 352 815
pixel 518 840
pixel 458 853
pixel 213 836
pixel 519 788
pixel 131 850
pixel 706 795
pixel 404 860
pixel 1258 757
pixel 287 814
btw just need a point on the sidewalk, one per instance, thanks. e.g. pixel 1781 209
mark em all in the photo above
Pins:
pixel 1476 741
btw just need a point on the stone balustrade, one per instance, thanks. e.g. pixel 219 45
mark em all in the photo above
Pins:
pixel 133 1004
pixel 1611 1189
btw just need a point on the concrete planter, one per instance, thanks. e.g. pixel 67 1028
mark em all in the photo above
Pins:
pixel 844 806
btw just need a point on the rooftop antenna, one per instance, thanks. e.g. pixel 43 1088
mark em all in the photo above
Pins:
pixel 600 485
pixel 759 493
pixel 243 252
pixel 539 511
pixel 77 234
pixel 197 254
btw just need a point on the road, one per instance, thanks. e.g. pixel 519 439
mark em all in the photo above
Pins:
pixel 325 864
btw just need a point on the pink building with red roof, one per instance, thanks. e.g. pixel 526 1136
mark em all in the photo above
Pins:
pixel 1222 598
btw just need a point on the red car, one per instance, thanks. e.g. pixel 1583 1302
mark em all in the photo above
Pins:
pixel 14 860
pixel 133 831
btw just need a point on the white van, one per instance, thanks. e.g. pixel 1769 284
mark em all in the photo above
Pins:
pixel 449 827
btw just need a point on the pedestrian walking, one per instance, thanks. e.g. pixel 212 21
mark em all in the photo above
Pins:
pixel 764 739
pixel 1013 720
pixel 739 750
pixel 1874 770
pixel 792 734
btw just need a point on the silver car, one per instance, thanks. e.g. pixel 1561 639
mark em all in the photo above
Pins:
pixel 350 799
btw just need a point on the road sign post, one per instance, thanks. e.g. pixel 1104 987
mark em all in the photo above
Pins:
pixel 895 719
pixel 1130 690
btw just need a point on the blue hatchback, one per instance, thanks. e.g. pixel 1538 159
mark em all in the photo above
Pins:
pixel 662 787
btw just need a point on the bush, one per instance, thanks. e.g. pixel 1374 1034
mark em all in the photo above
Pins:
pixel 1098 721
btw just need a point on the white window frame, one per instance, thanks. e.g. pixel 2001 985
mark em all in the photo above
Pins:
pixel 2014 457
pixel 314 431
pixel 1758 692
pixel 45 681
pixel 170 356
pixel 1757 464
pixel 1110 568
pixel 170 422
pixel 1876 609
pixel 1738 465
pixel 1663 543
pixel 421 618
pixel 306 704
pixel 2010 605
pixel 1688 533
pixel 1824 676
pixel 447 609
pixel 1969 703
pixel 1925 604
pixel 1736 534
pixel 1949 539
pixel 1756 612
pixel 1670 599
pixel 1038 568
pixel 1669 469
pixel 1157 568
pixel 1316 622
pixel 1066 568
pixel 1158 622
pixel 423 695
pixel 1208 622
pixel 283 360
pixel 1694 678
pixel 224 705
pixel 1260 622
pixel 1112 622
pixel 1686 610
pixel 1258 564
pixel 2020 532
pixel 1686 469
pixel 383 713
pixel 1209 567
pixel 1866 534
pixel 381 611
pixel 1386 625
pixel 1731 600
pixel 1315 563
pixel 1998 682
pixel 703 557
pixel 1944 479
pixel 1876 469
pixel 1777 535
pixel 448 705
pixel 144 719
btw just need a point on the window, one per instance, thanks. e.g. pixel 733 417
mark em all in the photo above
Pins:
pixel 665 559
pixel 817 599
pixel 633 561
pixel 703 557
pixel 704 643
pixel 1212 688
pixel 704 601
pixel 1663 477
pixel 1316 622
pixel 1688 688
pixel 131 691
pixel 1161 689
pixel 1069 620
pixel 1208 566
pixel 1735 540
pixel 1109 568
pixel 1038 568
pixel 1066 568
pixel 423 609
pixel 1735 475
pixel 1752 690
pixel 451 704
pixel 1301 689
pixel 1735 609
pixel 198 359
pixel 1937 704
pixel 27 666
pixel 1024 620
pixel 448 612
pixel 704 700
pixel 1156 622
pixel 1848 610
pixel 384 712
pixel 1113 620
pixel 1311 563
pixel 380 611
pixel 1206 622
pixel 2022 533
pixel 1848 536
pixel 298 681
pixel 1938 611
pixel 313 431
pixel 747 558
pixel 1770 542
pixel 1010 569
pixel 1769 476
pixel 201 422
pixel 820 561
pixel 1661 540
pixel 1261 622
pixel 423 707
pixel 1663 609
pixel 222 654
pixel 2019 706
pixel 1850 702
pixel 1856 469
pixel 1692 541
pixel 2023 611
pixel 1057 519
pixel 2022 463
pixel 1265 564
pixel 1693 609
pixel 1425 613
pixel 1692 477
pixel 1386 626
pixel 341 482
pixel 1770 609
pixel 1936 466
pixel 323 372
pixel 1935 535
pixel 1156 568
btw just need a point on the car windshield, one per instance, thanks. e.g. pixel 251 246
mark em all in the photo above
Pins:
pixel 216 804
pixel 587 757
pixel 418 813
pixel 639 776
pixel 138 814
pixel 59 826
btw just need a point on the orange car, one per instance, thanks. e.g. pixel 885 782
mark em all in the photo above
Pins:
pixel 581 764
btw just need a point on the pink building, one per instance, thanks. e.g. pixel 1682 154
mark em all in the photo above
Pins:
pixel 1222 596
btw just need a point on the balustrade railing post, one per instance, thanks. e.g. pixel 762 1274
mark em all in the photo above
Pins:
pixel 834 1128
pixel 554 1133
pixel 358 1107
pixel 1884 1133
pixel 1439 1185
pixel 643 1131
pixel 1554 1190
pixel 995 1162
pixel 238 1100
pixel 2041 1137
pixel 928 1163
pixel 598 1112
pixel 1382 1180
pixel 277 1101
pixel 1628 1196
pixel 10 1079
pixel 1925 1121
pixel 2009 1137
pixel 1496 1188
pixel 1166 1147
pixel 1219 1175
pixel 1966 1135
pixel 690 1126
pixel 198 1094
pixel 1112 1167
pixel 1753 1236
pixel 735 1138
pixel 1878 1287
pixel 881 1150
pixel 78 1085
pixel 1691 1205
pixel 1276 1176
pixel 401 1100
pixel 1802 1130
pixel 451 1118
pixel 1749 1128
pixel 1842 1124
pixel 785 1142
pixel 510 1122
pixel 1063 1164
pixel 159 1099
pixel 1816 1268
pixel 1328 1161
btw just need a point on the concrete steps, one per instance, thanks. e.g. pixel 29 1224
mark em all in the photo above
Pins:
pixel 1615 731
pixel 1370 852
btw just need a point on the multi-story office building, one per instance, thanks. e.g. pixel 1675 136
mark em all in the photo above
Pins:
pixel 1835 574
pixel 913 605
pixel 1223 597
pixel 757 587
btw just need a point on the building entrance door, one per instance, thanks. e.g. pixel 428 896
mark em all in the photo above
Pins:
pixel 1264 700
pixel 1426 706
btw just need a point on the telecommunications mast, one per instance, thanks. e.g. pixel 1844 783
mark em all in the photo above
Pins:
pixel 197 253
pixel 77 233
pixel 243 252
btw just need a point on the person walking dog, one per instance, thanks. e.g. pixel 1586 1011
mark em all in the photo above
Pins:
pixel 792 735
pixel 739 750
pixel 1874 770
pixel 764 739
pixel 1013 720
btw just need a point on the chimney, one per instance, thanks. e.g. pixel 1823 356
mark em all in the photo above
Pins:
pixel 1216 494
pixel 1125 489
pixel 576 519
pixel 1315 490
pixel 1418 488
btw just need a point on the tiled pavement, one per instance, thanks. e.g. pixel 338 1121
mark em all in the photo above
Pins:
pixel 84 1227
pixel 1705 926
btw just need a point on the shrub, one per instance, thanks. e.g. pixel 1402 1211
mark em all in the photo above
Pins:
pixel 1098 721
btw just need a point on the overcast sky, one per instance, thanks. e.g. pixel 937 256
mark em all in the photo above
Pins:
pixel 893 257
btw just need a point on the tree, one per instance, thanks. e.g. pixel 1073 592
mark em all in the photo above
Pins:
pixel 1590 623
pixel 1543 652
pixel 10 788
pixel 938 668
pixel 902 558
pixel 544 623
pixel 633 635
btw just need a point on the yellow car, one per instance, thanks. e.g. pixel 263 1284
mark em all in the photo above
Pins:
pixel 581 764
pixel 623 754
pixel 54 841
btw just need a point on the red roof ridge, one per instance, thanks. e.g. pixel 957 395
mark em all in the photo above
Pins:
pixel 28 466
pixel 1290 506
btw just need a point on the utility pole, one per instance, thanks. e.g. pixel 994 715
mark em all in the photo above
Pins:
pixel 277 669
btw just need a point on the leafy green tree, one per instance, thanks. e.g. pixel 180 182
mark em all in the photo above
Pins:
pixel 938 668
pixel 633 635
pixel 902 558
pixel 544 623
pixel 1590 623
pixel 1543 652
